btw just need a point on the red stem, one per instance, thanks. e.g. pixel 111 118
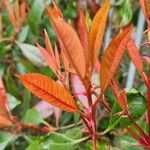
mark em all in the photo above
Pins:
pixel 141 141
pixel 35 128
pixel 143 135
pixel 91 114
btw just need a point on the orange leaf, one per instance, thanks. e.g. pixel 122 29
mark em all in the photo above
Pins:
pixel 48 90
pixel 97 31
pixel 69 42
pixel 135 56
pixel 112 57
pixel 4 113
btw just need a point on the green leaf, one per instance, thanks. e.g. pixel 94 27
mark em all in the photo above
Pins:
pixel 126 142
pixel 35 146
pixel 136 106
pixel 32 53
pixel 12 101
pixel 5 139
pixel 23 34
pixel 100 146
pixel 57 141
pixel 11 87
pixel 26 102
pixel 125 12
pixel 2 69
pixel 33 117
pixel 76 117
pixel 3 49
pixel 35 15
pixel 74 133
pixel 67 141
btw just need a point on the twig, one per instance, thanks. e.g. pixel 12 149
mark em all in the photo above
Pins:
pixel 68 126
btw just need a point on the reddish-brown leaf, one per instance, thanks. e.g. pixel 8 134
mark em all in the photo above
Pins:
pixel 69 41
pixel 83 32
pixel 112 57
pixel 135 56
pixel 97 31
pixel 48 90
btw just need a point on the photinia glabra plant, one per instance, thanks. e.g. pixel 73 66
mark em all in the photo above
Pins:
pixel 76 60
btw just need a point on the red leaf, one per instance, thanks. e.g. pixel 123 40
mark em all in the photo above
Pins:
pixel 112 57
pixel 135 57
pixel 48 90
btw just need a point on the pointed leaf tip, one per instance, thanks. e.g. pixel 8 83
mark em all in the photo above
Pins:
pixel 113 56
pixel 97 31
pixel 69 42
